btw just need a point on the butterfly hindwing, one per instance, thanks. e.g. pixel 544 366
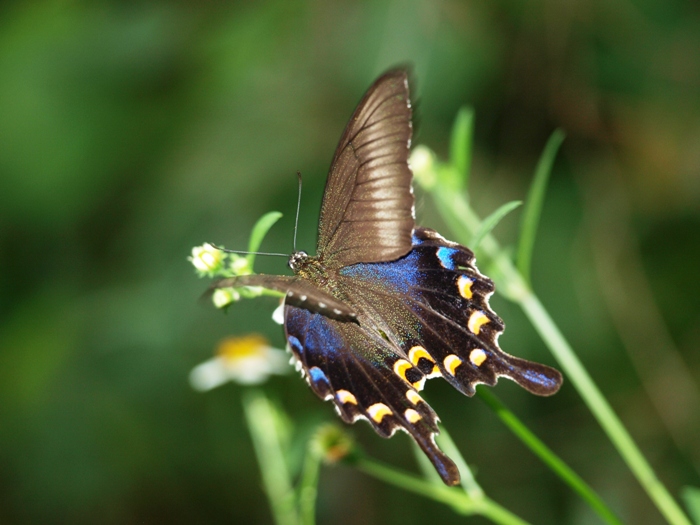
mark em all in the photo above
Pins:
pixel 434 305
pixel 424 315
pixel 366 378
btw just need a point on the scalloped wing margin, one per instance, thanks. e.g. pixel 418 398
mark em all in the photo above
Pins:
pixel 366 378
pixel 439 316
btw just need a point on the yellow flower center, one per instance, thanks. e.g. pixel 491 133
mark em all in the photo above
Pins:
pixel 234 348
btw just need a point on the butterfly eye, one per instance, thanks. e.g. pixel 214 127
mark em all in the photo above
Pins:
pixel 297 259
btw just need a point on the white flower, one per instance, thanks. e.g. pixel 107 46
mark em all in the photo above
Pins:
pixel 422 163
pixel 240 265
pixel 224 296
pixel 206 258
pixel 246 360
pixel 278 314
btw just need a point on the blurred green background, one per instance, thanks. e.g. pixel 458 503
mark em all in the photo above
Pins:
pixel 132 131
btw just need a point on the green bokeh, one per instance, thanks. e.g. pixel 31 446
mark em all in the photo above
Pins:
pixel 130 132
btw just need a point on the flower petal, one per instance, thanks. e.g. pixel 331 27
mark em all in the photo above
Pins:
pixel 209 374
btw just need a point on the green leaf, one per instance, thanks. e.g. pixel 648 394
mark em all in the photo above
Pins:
pixel 259 232
pixel 457 178
pixel 533 206
pixel 691 497
pixel 424 166
pixel 490 222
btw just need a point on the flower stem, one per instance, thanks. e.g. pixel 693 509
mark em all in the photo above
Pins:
pixel 602 411
pixel 456 498
pixel 308 489
pixel 464 221
pixel 261 419
pixel 547 456
pixel 469 484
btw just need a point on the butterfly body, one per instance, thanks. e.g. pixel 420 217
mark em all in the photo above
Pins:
pixel 385 305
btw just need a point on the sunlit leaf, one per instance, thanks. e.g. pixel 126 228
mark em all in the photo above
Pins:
pixel 490 222
pixel 259 232
pixel 691 497
pixel 457 178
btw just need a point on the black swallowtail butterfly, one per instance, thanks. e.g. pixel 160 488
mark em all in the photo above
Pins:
pixel 384 304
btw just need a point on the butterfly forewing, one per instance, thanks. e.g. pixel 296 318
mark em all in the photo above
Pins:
pixel 367 210
pixel 298 292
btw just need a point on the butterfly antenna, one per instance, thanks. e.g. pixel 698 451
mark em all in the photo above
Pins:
pixel 246 253
pixel 296 221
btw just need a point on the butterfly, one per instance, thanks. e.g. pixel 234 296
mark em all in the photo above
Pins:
pixel 385 305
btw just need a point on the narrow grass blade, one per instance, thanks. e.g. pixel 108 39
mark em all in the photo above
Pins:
pixel 426 467
pixel 461 150
pixel 490 222
pixel 456 498
pixel 259 232
pixel 308 489
pixel 548 457
pixel 469 483
pixel 461 217
pixel 691 497
pixel 264 431
pixel 533 206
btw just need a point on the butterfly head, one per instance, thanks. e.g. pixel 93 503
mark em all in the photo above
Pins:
pixel 297 261
pixel 309 268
